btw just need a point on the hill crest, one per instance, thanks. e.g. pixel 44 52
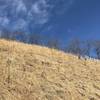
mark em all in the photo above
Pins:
pixel 31 72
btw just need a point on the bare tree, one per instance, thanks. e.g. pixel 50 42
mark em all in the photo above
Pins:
pixel 74 47
pixel 5 34
pixel 20 36
pixel 53 43
pixel 86 48
pixel 97 48
pixel 34 38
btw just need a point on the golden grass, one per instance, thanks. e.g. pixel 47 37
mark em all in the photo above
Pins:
pixel 30 72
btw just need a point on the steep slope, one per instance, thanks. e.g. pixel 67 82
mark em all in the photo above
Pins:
pixel 38 73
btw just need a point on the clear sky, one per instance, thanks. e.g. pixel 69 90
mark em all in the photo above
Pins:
pixel 62 19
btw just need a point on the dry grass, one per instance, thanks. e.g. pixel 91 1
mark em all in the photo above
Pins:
pixel 38 73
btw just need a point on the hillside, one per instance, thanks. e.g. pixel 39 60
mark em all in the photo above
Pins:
pixel 30 72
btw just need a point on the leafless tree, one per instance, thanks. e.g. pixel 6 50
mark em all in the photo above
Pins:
pixel 86 48
pixel 53 43
pixel 74 47
pixel 6 34
pixel 20 36
pixel 35 38
pixel 97 48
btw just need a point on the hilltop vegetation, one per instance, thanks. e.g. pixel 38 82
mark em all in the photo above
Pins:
pixel 31 72
pixel 75 46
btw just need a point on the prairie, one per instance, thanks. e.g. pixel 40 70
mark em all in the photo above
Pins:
pixel 31 72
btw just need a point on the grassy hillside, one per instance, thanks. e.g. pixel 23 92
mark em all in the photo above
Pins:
pixel 38 73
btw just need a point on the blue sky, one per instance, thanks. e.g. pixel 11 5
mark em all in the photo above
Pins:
pixel 63 19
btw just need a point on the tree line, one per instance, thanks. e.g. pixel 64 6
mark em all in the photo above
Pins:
pixel 75 46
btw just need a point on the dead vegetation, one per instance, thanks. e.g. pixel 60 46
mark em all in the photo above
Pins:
pixel 38 73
